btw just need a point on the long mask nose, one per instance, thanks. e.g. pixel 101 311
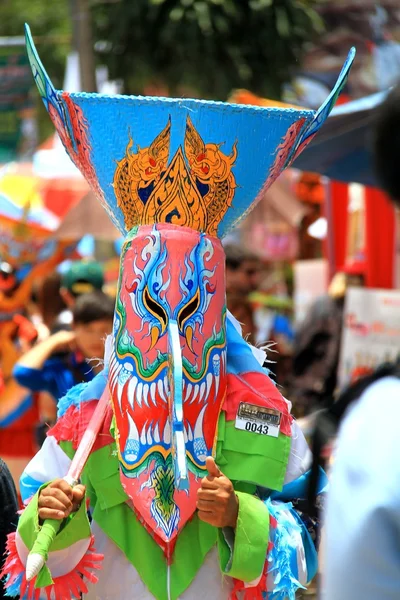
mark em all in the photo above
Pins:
pixel 176 406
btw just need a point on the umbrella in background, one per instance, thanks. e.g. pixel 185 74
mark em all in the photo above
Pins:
pixel 27 226
pixel 21 198
pixel 342 149
pixel 63 186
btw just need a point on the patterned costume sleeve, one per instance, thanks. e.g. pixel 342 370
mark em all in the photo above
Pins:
pixel 272 552
pixel 72 555
pixel 50 463
pixel 292 558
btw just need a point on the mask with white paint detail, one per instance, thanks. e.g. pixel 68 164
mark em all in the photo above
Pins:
pixel 171 283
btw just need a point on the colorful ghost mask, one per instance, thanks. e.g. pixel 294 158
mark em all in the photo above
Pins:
pixel 175 176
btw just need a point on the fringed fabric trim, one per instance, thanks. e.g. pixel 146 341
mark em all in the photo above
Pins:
pixel 282 558
pixel 278 581
pixel 67 587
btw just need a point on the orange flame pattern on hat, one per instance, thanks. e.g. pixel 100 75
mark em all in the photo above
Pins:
pixel 195 190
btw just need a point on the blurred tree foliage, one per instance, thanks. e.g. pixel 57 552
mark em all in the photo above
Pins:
pixel 51 28
pixel 187 47
pixel 206 47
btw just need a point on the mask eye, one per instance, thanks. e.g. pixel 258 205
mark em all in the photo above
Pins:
pixel 184 315
pixel 188 310
pixel 155 309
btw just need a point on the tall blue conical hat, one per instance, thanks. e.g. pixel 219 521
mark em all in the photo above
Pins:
pixel 186 162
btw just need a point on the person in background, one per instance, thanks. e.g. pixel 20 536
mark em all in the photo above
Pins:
pixel 81 278
pixel 272 310
pixel 8 279
pixel 317 343
pixel 19 411
pixel 50 301
pixel 16 287
pixel 362 554
pixel 61 361
pixel 243 311
pixel 8 512
pixel 242 270
pixel 18 406
pixel 56 297
pixel 60 291
pixel 242 275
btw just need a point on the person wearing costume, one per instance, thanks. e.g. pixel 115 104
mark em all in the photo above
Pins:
pixel 191 479
pixel 18 407
pixel 63 360
pixel 27 254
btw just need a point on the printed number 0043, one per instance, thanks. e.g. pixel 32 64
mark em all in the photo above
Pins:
pixel 257 428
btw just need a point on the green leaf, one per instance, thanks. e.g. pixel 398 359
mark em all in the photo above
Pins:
pixel 260 4
pixel 282 22
pixel 176 14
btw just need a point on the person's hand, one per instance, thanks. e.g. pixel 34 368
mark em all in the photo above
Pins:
pixel 63 340
pixel 58 500
pixel 217 502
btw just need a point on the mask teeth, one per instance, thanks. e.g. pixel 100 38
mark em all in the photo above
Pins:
pixel 114 376
pixel 143 439
pixel 166 387
pixel 202 391
pixel 132 444
pixel 209 380
pixel 188 432
pixel 156 434
pixel 200 448
pixel 167 433
pixel 153 388
pixel 146 394
pixel 120 389
pixel 196 388
pixel 149 436
pixel 189 389
pixel 160 386
pixel 131 390
pixel 139 392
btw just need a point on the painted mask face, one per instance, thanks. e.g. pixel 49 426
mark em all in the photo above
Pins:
pixel 171 284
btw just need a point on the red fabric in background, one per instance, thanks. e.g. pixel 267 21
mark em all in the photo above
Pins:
pixel 380 239
pixel 18 440
pixel 60 195
pixel 336 246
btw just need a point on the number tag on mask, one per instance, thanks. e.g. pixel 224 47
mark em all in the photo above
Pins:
pixel 257 419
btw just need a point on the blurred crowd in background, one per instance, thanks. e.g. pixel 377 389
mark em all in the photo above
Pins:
pixel 57 341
